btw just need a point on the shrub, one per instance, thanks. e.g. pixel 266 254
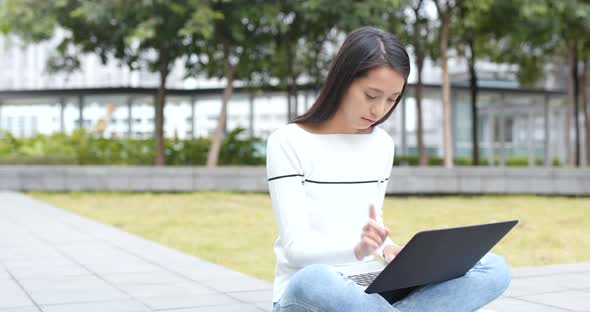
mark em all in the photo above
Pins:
pixel 84 148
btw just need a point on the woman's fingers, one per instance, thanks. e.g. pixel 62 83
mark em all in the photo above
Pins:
pixel 389 257
pixel 396 249
pixel 374 233
pixel 370 244
pixel 391 251
pixel 372 213
pixel 372 225
pixel 376 238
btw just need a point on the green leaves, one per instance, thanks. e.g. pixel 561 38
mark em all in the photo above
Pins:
pixel 537 33
pixel 81 147
pixel 29 19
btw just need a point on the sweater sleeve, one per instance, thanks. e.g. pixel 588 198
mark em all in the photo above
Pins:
pixel 302 244
pixel 381 195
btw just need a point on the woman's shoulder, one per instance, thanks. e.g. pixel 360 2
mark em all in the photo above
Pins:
pixel 284 137
pixel 384 135
pixel 280 133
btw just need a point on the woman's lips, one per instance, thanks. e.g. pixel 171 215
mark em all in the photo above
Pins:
pixel 369 120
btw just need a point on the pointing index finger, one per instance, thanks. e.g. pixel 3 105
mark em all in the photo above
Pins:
pixel 372 213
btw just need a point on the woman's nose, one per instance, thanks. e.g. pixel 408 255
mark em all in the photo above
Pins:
pixel 378 110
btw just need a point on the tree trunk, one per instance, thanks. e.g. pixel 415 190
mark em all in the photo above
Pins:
pixel 290 101
pixel 423 157
pixel 584 101
pixel 446 92
pixel 571 100
pixel 295 99
pixel 576 105
pixel 289 109
pixel 473 88
pixel 213 156
pixel 159 108
pixel 420 56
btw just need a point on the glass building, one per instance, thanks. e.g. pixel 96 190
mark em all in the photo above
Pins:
pixel 512 122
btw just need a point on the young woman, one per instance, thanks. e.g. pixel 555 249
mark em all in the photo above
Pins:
pixel 327 174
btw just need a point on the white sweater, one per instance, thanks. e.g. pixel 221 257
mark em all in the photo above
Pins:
pixel 321 186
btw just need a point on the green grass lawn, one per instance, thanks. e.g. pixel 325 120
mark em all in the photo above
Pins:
pixel 237 230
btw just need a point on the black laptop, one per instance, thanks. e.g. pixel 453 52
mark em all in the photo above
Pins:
pixel 435 256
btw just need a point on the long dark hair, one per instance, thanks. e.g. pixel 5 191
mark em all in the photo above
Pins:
pixel 363 49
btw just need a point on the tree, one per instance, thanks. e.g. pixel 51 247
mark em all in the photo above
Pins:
pixel 541 34
pixel 474 27
pixel 584 98
pixel 566 27
pixel 234 51
pixel 417 32
pixel 31 25
pixel 151 34
pixel 302 29
pixel 446 10
pixel 299 32
pixel 162 32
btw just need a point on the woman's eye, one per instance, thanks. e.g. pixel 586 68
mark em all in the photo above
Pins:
pixel 370 97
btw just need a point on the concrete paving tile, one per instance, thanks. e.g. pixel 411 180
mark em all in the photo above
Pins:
pixel 574 300
pixel 107 260
pixel 237 284
pixel 550 269
pixel 57 282
pixel 208 272
pixel 547 283
pixel 530 286
pixel 506 304
pixel 144 278
pixel 12 296
pixel 55 261
pixel 227 308
pixel 4 274
pixel 16 239
pixel 177 302
pixel 46 271
pixel 71 290
pixel 112 267
pixel 24 309
pixel 58 233
pixel 257 296
pixel 267 306
pixel 110 306
pixel 163 290
pixel 50 296
pixel 26 251
pixel 572 280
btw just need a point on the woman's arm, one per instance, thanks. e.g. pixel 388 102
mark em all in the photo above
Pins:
pixel 303 245
pixel 381 196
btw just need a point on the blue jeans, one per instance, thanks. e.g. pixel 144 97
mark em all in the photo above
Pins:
pixel 320 287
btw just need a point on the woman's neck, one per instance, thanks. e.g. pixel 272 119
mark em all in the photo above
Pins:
pixel 333 126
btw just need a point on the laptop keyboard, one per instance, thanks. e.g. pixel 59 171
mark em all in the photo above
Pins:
pixel 364 279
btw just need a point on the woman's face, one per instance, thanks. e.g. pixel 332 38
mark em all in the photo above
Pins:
pixel 369 98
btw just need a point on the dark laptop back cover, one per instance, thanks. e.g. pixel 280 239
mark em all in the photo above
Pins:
pixel 438 255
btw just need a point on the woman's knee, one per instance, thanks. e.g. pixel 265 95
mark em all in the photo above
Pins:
pixel 499 273
pixel 312 283
pixel 315 275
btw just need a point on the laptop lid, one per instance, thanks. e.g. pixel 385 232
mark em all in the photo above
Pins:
pixel 439 255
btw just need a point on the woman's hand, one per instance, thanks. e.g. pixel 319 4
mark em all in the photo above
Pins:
pixel 390 251
pixel 373 235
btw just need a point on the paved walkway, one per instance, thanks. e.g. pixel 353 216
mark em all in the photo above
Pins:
pixel 53 260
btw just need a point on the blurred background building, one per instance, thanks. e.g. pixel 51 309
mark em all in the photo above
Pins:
pixel 119 102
